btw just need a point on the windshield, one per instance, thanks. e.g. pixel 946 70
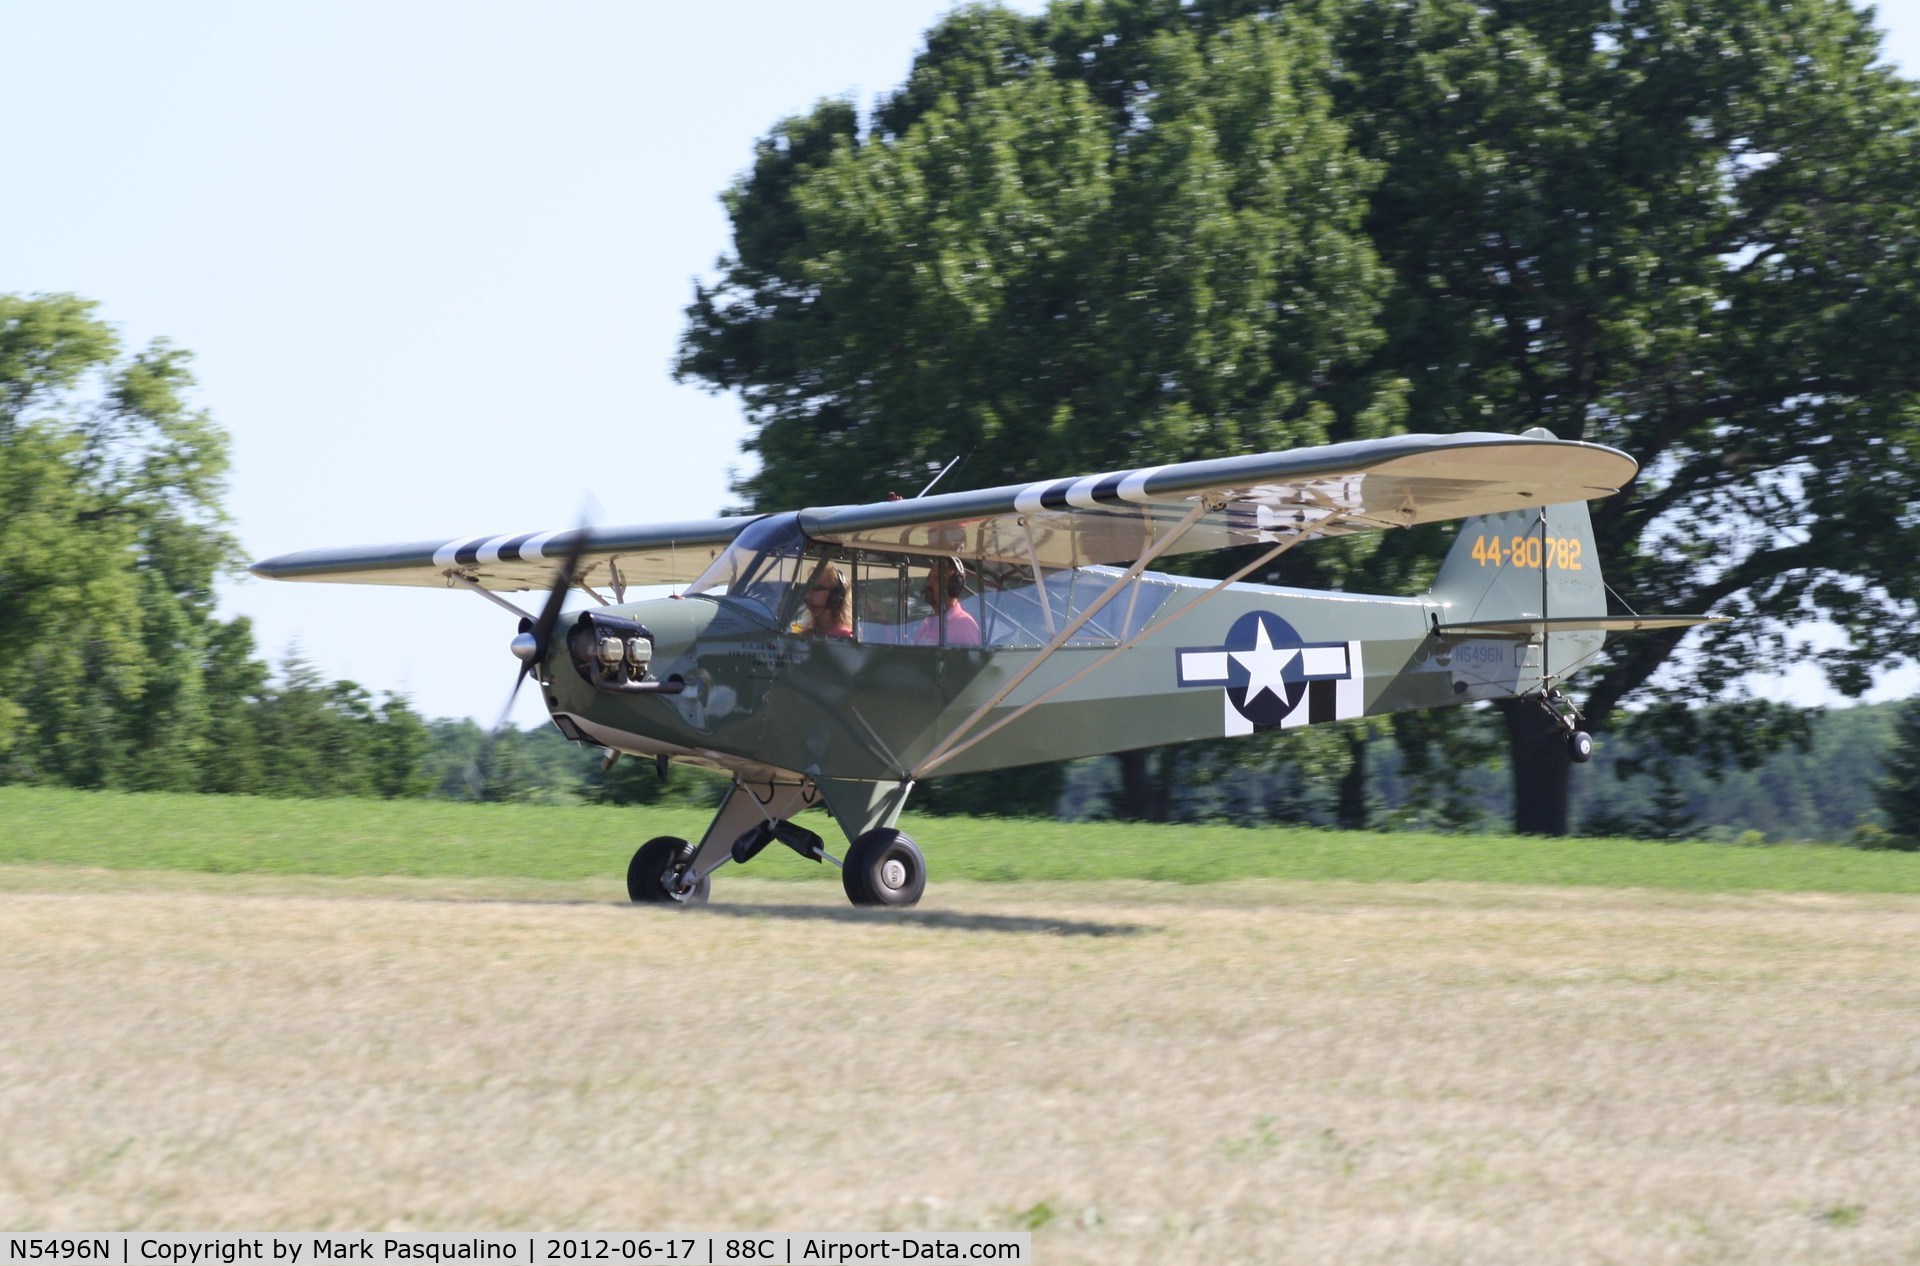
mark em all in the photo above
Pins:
pixel 760 568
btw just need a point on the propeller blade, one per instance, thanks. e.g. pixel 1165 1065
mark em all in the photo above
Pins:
pixel 531 647
pixel 556 597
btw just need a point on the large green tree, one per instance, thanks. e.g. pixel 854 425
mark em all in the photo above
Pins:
pixel 1156 229
pixel 111 538
pixel 1014 265
pixel 1043 272
pixel 111 534
pixel 1685 228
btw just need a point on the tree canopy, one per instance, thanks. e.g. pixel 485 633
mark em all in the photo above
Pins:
pixel 111 538
pixel 1149 230
pixel 1012 266
pixel 1683 228
pixel 111 533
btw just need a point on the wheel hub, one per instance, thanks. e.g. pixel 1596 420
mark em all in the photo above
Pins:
pixel 893 873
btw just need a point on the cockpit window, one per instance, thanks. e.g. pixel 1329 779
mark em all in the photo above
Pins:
pixel 761 568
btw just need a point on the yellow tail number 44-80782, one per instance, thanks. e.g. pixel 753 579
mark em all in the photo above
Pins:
pixel 1559 552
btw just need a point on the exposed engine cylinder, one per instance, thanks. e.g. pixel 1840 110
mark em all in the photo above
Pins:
pixel 613 653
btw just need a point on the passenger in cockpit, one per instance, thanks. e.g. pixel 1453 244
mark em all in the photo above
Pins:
pixel 946 581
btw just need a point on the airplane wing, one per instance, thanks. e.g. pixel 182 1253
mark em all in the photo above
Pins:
pixel 1117 517
pixel 1367 485
pixel 655 554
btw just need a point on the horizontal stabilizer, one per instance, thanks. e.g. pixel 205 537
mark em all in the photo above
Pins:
pixel 1577 624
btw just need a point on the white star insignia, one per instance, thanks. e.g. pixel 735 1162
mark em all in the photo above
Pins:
pixel 1264 665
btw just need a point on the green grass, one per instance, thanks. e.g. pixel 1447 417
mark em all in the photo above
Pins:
pixel 242 835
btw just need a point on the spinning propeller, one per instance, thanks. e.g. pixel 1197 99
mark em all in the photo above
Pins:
pixel 532 643
pixel 530 646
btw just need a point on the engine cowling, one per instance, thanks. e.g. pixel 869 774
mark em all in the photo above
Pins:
pixel 615 654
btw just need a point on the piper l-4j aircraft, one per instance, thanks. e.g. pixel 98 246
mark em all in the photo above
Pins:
pixel 837 656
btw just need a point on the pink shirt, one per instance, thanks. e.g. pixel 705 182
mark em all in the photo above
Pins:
pixel 962 629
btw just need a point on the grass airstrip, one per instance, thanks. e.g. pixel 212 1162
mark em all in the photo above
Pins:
pixel 226 1014
pixel 434 839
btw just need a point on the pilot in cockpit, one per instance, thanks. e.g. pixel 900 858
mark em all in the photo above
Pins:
pixel 827 605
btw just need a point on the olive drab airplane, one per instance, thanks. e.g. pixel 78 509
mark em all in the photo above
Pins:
pixel 838 656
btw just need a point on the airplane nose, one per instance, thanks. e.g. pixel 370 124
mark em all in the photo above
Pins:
pixel 525 647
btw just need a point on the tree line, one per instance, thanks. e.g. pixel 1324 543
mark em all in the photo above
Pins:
pixel 112 536
pixel 1852 778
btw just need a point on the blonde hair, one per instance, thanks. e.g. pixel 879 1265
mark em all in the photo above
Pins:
pixel 834 613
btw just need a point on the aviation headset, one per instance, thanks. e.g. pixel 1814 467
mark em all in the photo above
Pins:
pixel 956 583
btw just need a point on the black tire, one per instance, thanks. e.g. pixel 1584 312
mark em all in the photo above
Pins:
pixel 884 868
pixel 1580 747
pixel 648 871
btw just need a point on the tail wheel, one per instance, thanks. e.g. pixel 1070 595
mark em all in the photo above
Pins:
pixel 1580 747
pixel 653 874
pixel 884 868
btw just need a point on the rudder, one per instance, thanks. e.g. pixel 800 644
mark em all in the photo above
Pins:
pixel 1528 564
pixel 1522 564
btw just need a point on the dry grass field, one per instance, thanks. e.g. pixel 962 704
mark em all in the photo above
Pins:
pixel 1262 1071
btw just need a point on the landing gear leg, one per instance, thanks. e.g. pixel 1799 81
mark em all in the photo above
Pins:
pixel 884 866
pixel 671 869
pixel 1565 715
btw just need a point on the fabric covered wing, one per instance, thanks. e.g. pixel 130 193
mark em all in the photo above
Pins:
pixel 654 554
pixel 1262 497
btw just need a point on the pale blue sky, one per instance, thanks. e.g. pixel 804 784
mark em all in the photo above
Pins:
pixel 432 260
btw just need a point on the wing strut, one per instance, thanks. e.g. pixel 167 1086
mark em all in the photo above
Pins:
pixel 1039 577
pixel 949 749
pixel 941 751
pixel 467 582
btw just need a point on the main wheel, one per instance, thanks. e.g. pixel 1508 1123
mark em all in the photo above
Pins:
pixel 653 865
pixel 884 868
pixel 1580 747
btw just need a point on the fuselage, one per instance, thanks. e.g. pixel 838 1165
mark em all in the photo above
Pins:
pixel 1247 659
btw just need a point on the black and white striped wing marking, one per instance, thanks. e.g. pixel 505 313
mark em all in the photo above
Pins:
pixel 647 554
pixel 1115 517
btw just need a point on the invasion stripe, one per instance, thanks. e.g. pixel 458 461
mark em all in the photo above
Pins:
pixel 1086 492
pixel 490 552
pixel 509 551
pixel 533 549
pixel 1033 498
pixel 449 555
pixel 1055 497
pixel 1133 487
pixel 1080 492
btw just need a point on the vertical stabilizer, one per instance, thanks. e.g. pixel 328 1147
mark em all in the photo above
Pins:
pixel 1527 564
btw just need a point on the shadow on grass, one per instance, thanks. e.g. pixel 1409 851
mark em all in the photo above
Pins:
pixel 945 920
pixel 941 919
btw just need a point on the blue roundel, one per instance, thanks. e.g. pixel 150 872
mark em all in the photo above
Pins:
pixel 1263 677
